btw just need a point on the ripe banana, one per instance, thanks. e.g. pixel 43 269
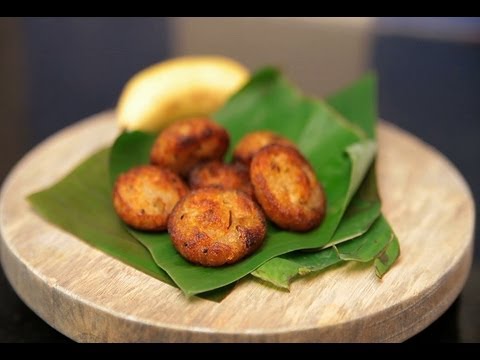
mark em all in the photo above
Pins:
pixel 178 88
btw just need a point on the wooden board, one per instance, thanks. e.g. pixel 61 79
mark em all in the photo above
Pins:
pixel 90 296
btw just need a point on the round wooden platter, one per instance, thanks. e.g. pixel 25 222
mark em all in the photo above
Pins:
pixel 89 296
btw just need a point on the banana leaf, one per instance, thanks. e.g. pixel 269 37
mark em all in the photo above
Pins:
pixel 361 213
pixel 365 248
pixel 87 189
pixel 338 151
pixel 358 104
pixel 282 270
pixel 81 204
pixel 379 244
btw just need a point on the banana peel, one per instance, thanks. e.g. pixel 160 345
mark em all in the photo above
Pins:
pixel 178 88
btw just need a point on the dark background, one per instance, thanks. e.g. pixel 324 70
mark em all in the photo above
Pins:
pixel 55 71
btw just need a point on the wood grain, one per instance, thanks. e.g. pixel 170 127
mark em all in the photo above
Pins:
pixel 90 296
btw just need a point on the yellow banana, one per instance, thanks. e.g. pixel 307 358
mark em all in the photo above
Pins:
pixel 178 88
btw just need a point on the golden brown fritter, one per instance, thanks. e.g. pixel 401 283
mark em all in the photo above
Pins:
pixel 286 187
pixel 188 142
pixel 251 143
pixel 145 195
pixel 214 227
pixel 224 176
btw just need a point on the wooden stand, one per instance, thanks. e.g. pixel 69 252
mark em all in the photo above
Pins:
pixel 89 296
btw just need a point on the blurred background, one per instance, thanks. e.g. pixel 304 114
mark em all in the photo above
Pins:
pixel 56 71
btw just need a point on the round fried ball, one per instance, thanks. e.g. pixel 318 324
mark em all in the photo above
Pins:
pixel 286 187
pixel 251 143
pixel 188 142
pixel 214 227
pixel 144 196
pixel 224 176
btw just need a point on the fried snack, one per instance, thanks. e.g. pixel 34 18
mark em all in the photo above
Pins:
pixel 215 227
pixel 224 176
pixel 144 196
pixel 251 143
pixel 286 187
pixel 188 142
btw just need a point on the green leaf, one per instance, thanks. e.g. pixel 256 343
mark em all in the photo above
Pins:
pixel 385 259
pixel 81 204
pixel 361 213
pixel 270 102
pixel 358 103
pixel 379 244
pixel 367 246
pixel 122 158
pixel 127 149
pixel 280 271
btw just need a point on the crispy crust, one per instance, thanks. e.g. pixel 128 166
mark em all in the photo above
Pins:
pixel 251 143
pixel 286 187
pixel 224 176
pixel 188 142
pixel 215 227
pixel 144 196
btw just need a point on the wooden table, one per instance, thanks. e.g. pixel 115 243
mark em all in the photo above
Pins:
pixel 90 296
